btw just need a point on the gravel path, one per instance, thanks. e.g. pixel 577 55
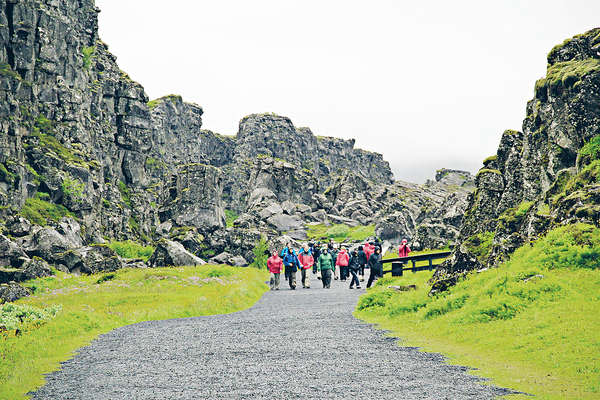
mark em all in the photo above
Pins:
pixel 302 344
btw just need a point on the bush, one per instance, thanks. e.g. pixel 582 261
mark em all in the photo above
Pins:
pixel 230 217
pixel 17 318
pixel 129 249
pixel 260 251
pixel 374 299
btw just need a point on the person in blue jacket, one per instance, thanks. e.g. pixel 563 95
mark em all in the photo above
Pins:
pixel 291 264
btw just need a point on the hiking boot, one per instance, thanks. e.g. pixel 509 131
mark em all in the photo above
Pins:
pixel 351 287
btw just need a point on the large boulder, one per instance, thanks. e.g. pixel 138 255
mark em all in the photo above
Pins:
pixel 48 244
pixel 90 260
pixel 11 254
pixel 12 292
pixel 284 222
pixel 172 254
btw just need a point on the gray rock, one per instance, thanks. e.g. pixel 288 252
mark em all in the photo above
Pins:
pixel 19 226
pixel 90 260
pixel 10 253
pixel 238 261
pixel 12 292
pixel 288 207
pixel 272 209
pixel 48 244
pixel 283 222
pixel 172 254
pixel 222 258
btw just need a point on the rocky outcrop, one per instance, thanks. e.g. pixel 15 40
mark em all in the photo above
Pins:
pixel 172 254
pixel 546 174
pixel 10 292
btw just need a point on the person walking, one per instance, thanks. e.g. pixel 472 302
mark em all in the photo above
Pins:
pixel 274 265
pixel 284 252
pixel 306 263
pixel 403 250
pixel 291 264
pixel 332 250
pixel 316 253
pixel 376 266
pixel 354 267
pixel 326 265
pixel 341 263
pixel 362 260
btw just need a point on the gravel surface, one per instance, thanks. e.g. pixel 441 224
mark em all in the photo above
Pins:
pixel 302 344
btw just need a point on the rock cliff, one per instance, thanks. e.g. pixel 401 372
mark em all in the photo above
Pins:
pixel 545 175
pixel 86 158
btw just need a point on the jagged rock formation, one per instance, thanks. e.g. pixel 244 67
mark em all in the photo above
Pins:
pixel 86 158
pixel 547 174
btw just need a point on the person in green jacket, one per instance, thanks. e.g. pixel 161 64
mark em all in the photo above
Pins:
pixel 326 264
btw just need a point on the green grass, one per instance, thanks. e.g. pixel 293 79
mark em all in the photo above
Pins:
pixel 480 245
pixel 39 211
pixel 539 336
pixel 129 249
pixel 340 232
pixel 91 305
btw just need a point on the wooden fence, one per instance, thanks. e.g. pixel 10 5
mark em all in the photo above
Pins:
pixel 399 264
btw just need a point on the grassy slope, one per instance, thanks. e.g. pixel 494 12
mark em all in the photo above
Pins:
pixel 90 309
pixel 539 336
pixel 340 232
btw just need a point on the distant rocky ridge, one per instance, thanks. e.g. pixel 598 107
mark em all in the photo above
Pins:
pixel 545 176
pixel 87 158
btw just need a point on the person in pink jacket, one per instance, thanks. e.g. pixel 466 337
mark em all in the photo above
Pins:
pixel 275 265
pixel 403 250
pixel 342 262
pixel 306 262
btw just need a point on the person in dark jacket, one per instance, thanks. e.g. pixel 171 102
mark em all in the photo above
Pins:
pixel 291 264
pixel 316 254
pixel 376 266
pixel 354 267
pixel 334 253
pixel 362 259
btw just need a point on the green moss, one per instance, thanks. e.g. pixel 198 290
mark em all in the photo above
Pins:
pixel 567 73
pixel 88 56
pixel 490 158
pixel 515 215
pixel 174 98
pixel 39 211
pixel 154 164
pixel 543 209
pixel 480 245
pixel 7 71
pixel 125 193
pixel 50 143
pixel 73 188
pixel 589 175
pixel 488 171
pixel 6 176
pixel 134 225
pixel 230 217
pixel 105 203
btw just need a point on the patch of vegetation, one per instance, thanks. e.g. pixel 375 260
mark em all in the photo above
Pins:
pixel 480 245
pixel 567 73
pixel 125 193
pixel 72 188
pixel 230 217
pixel 514 216
pixel 153 164
pixel 260 252
pixel 340 232
pixel 488 171
pixel 535 316
pixel 174 98
pixel 44 129
pixel 16 319
pixel 590 151
pixel 39 211
pixel 88 56
pixel 133 295
pixel 490 158
pixel 131 250
pixel 6 175
pixel 6 70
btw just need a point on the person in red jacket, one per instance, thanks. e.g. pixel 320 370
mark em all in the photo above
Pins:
pixel 306 262
pixel 368 249
pixel 403 250
pixel 342 262
pixel 275 265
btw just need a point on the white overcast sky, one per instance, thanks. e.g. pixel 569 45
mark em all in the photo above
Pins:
pixel 429 84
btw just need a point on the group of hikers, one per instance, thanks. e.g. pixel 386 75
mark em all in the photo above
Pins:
pixel 327 262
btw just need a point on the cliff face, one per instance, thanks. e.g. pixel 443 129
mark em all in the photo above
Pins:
pixel 547 174
pixel 86 158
